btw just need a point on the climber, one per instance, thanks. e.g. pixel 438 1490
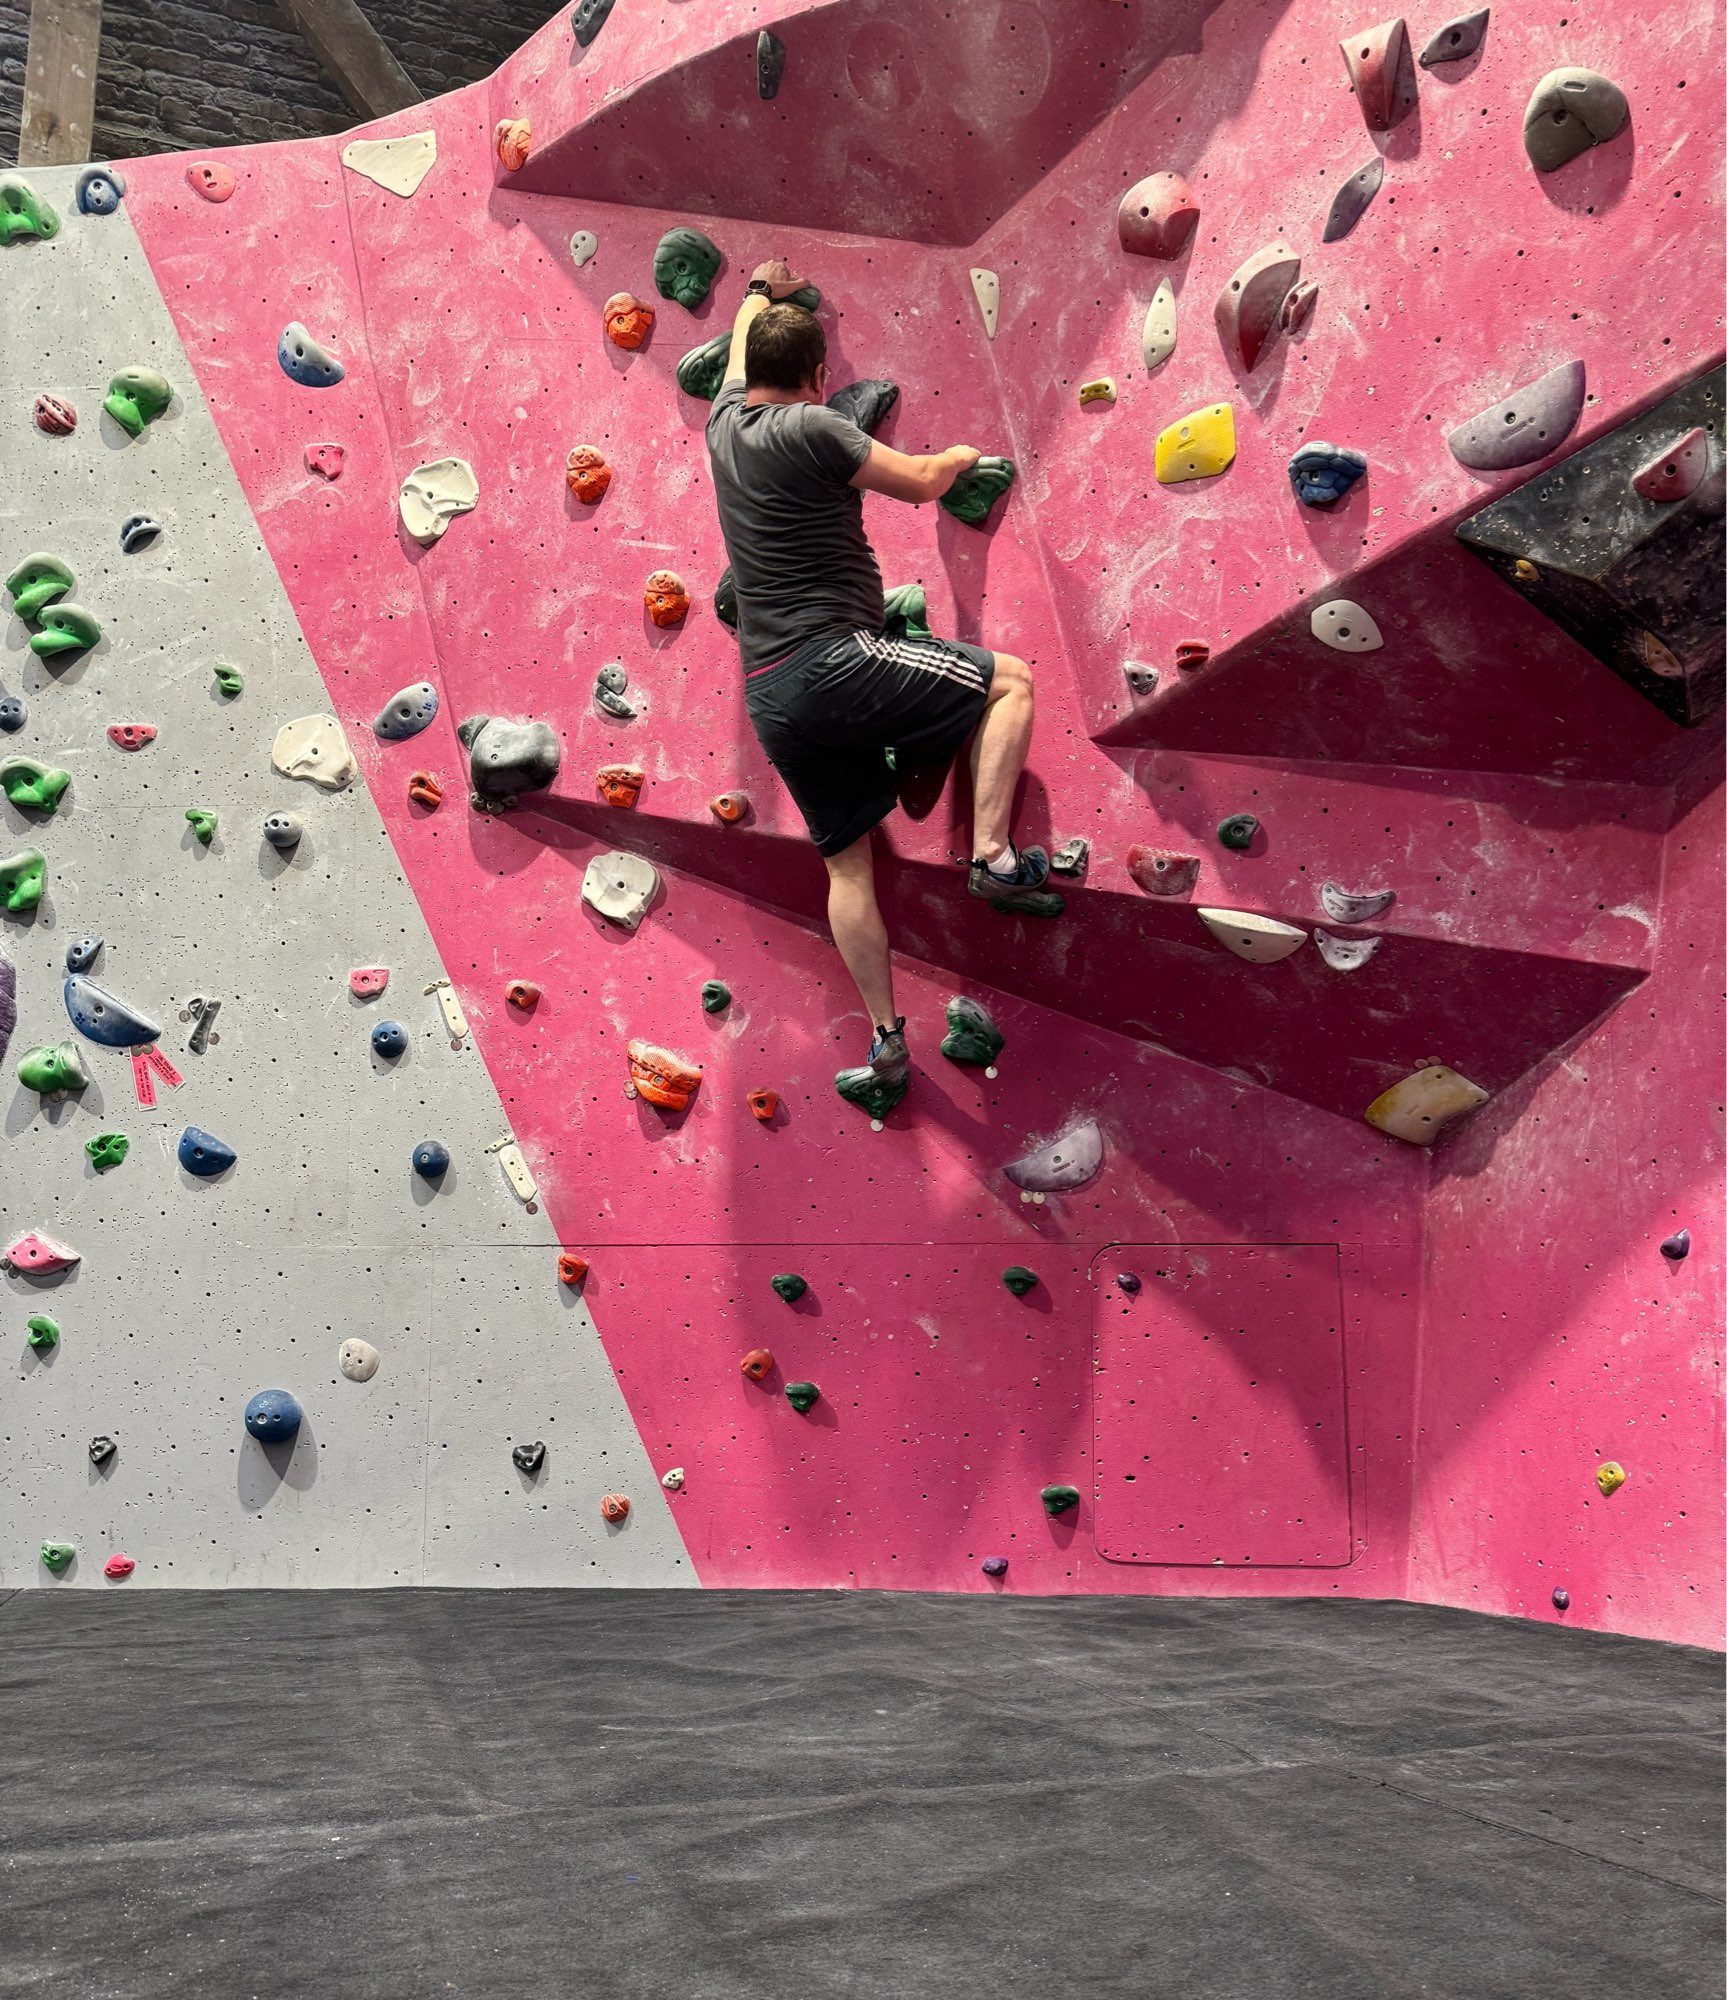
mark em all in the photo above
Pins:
pixel 828 692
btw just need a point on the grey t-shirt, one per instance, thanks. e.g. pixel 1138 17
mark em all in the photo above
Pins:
pixel 793 526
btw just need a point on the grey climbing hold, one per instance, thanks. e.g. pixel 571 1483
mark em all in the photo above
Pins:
pixel 1058 1499
pixel 620 887
pixel 431 1159
pixel 726 598
pixel 137 532
pixel 972 1037
pixel 609 685
pixel 273 1416
pixel 1456 40
pixel 1345 954
pixel 99 1017
pixel 583 244
pixel 685 265
pixel 866 403
pixel 1247 308
pixel 1297 307
pixel 305 361
pixel 204 1155
pixel 506 759
pixel 1141 678
pixel 1570 111
pixel 1157 336
pixel 975 492
pixel 1237 831
pixel 1677 1247
pixel 1071 856
pixel 994 1565
pixel 358 1360
pixel 1065 1163
pixel 204 1013
pixel 770 65
pixel 1344 627
pixel 1352 201
pixel 81 953
pixel 407 712
pixel 99 190
pixel 1323 473
pixel 102 1449
pixel 11 714
pixel 703 369
pixel 1348 906
pixel 588 19
pixel 283 832
pixel 716 996
pixel 529 1458
pixel 390 1040
pixel 1525 426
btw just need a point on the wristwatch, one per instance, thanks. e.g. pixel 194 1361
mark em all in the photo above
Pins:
pixel 761 286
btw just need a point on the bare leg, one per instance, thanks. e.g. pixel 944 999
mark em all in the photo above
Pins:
pixel 998 748
pixel 858 930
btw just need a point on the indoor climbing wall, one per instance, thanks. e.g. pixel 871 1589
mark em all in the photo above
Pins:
pixel 1354 824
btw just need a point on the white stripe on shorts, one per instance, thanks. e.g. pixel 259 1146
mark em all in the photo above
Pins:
pixel 927 660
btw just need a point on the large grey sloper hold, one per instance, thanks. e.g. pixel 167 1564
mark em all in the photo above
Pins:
pixel 506 759
pixel 1525 425
pixel 1570 111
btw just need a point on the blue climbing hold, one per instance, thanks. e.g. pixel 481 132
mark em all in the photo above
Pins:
pixel 431 1159
pixel 11 713
pixel 1322 473
pixel 407 712
pixel 99 190
pixel 203 1154
pixel 389 1039
pixel 81 953
pixel 304 361
pixel 272 1416
pixel 99 1017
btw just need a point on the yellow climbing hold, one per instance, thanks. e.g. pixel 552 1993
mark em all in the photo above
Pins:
pixel 1418 1108
pixel 1610 1477
pixel 1200 446
pixel 1100 391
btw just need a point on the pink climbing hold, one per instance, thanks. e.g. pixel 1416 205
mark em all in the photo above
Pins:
pixel 118 1566
pixel 1161 873
pixel 1381 74
pixel 1677 472
pixel 1249 307
pixel 366 982
pixel 325 459
pixel 131 735
pixel 1157 216
pixel 38 1256
pixel 211 179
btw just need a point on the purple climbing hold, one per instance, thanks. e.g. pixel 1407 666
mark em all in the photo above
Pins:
pixel 1561 1599
pixel 994 1565
pixel 1527 425
pixel 1455 41
pixel 1129 1281
pixel 1677 1247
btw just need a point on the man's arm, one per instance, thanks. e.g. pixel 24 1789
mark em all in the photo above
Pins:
pixel 901 476
pixel 754 305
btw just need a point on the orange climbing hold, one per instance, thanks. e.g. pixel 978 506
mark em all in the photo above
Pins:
pixel 615 1506
pixel 729 807
pixel 663 1078
pixel 571 1269
pixel 620 784
pixel 513 140
pixel 667 600
pixel 425 790
pixel 1161 873
pixel 757 1364
pixel 764 1103
pixel 587 474
pixel 628 321
pixel 522 993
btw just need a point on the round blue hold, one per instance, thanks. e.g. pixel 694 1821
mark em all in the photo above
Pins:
pixel 203 1154
pixel 1322 473
pixel 431 1160
pixel 390 1039
pixel 99 190
pixel 11 713
pixel 272 1416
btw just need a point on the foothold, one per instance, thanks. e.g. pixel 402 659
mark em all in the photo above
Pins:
pixel 716 996
pixel 1456 40
pixel 871 1091
pixel 1065 1163
pixel 1192 654
pixel 1570 111
pixel 1352 201
pixel 1260 940
pixel 136 398
pixel 273 1416
pixel 1248 306
pixel 38 581
pixel 137 532
pixel 620 784
pixel 587 474
pixel 866 403
pixel 202 823
pixel 972 1037
pixel 100 190
pixel 1237 831
pixel 213 179
pixel 1019 1280
pixel 1322 473
pixel 35 1255
pixel 1100 391
pixel 1610 1476
pixel 1070 857
pixel 327 460
pixel 685 265
pixel 313 747
pixel 506 759
pixel 283 831
pixel 107 1150
pixel 455 1021
pixel 54 416
pixel 572 1270
pixel 102 1449
pixel 529 1458
pixel 1157 216
pixel 99 1017
pixel 407 712
pixel 398 164
pixel 1162 873
pixel 803 1396
pixel 57 1556
pixel 1297 307
pixel 358 1360
pixel 673 1480
pixel 53 1068
pixel 26 782
pixel 976 491
pixel 628 321
pixel 905 612
pixel 620 887
pixel 389 1040
pixel 1347 906
pixel 588 19
pixel 513 141
pixel 789 1286
pixel 764 1104
pixel 1344 627
pixel 12 715
pixel 986 289
pixel 204 1012
pixel 23 212
pixel 1677 1247
pixel 1128 1281
pixel 1199 446
pixel 583 244
pixel 1058 1499
pixel 729 807
pixel 65 628
pixel 131 735
pixel 1527 425
pixel 522 994
pixel 204 1155
pixel 431 1160
pixel 23 876
pixel 1345 954
pixel 425 790
pixel 1418 1108
pixel 665 1079
pixel 1140 678
pixel 1157 335
pixel 41 1332
pixel 770 65
pixel 757 1364
pixel 366 982
pixel 82 953
pixel 615 1506
pixel 702 372
pixel 229 682
pixel 1381 74
pixel 994 1565
pixel 433 494
pixel 305 361
pixel 667 600
pixel 1561 1597
pixel 1677 472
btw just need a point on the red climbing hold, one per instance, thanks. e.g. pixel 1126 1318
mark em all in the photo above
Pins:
pixel 366 982
pixel 326 459
pixel 56 417
pixel 211 179
pixel 513 140
pixel 729 807
pixel 1161 873
pixel 425 790
pixel 118 1566
pixel 764 1103
pixel 615 1506
pixel 662 1077
pixel 1192 653
pixel 587 474
pixel 628 321
pixel 620 784
pixel 1248 306
pixel 1298 304
pixel 1676 473
pixel 571 1269
pixel 131 735
pixel 522 993
pixel 757 1364
pixel 1381 74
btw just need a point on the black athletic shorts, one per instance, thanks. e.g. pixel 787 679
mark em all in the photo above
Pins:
pixel 828 714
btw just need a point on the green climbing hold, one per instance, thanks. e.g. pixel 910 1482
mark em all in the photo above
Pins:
pixel 58 1555
pixel 974 493
pixel 685 265
pixel 802 1396
pixel 1237 831
pixel 790 1286
pixel 37 581
pixel 716 996
pixel 1058 1499
pixel 43 1333
pixel 23 212
pixel 904 613
pixel 703 369
pixel 1018 1280
pixel 22 878
pixel 229 681
pixel 136 397
pixel 64 628
pixel 107 1150
pixel 972 1037
pixel 203 824
pixel 51 1068
pixel 876 1094
pixel 28 783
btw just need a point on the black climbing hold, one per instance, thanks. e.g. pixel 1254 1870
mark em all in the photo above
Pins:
pixel 802 1395
pixel 716 996
pixel 390 1039
pixel 137 532
pixel 1058 1499
pixel 507 758
pixel 770 64
pixel 81 953
pixel 529 1457
pixel 588 19
pixel 1018 1280
pixel 790 1286
pixel 1352 201
pixel 11 713
pixel 1128 1281
pixel 1561 1599
pixel 1677 1247
pixel 1322 473
pixel 866 403
pixel 972 1037
pixel 1570 111
pixel 1237 831
pixel 1456 40
pixel 431 1159
pixel 994 1565
pixel 102 1449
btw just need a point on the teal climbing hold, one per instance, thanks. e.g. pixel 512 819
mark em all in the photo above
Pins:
pixel 875 1094
pixel 1058 1499
pixel 1237 831
pixel 703 369
pixel 802 1396
pixel 905 613
pixel 716 996
pixel 790 1286
pixel 1018 1280
pixel 975 492
pixel 972 1037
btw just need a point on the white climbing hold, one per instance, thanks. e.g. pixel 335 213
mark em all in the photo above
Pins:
pixel 433 495
pixel 314 747
pixel 620 887
pixel 358 1360
pixel 1344 906
pixel 986 287
pixel 1157 337
pixel 451 1008
pixel 396 164
pixel 1418 1108
pixel 583 245
pixel 1067 1162
pixel 1345 954
pixel 1345 627
pixel 1260 940
pixel 516 1170
pixel 673 1481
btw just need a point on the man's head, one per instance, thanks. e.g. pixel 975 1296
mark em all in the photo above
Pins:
pixel 786 352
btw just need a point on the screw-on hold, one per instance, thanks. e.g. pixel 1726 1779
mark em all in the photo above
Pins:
pixel 1018 1280
pixel 803 1396
pixel 1677 1247
pixel 790 1286
pixel 571 1269
pixel 994 1565
pixel 1237 831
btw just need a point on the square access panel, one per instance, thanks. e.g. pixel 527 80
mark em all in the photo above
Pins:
pixel 1220 1422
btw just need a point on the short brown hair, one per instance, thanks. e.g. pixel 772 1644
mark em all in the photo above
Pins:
pixel 783 349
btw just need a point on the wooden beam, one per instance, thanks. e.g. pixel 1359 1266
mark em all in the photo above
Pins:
pixel 60 82
pixel 355 56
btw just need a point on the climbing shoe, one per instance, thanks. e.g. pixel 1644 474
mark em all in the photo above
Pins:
pixel 888 1055
pixel 1021 893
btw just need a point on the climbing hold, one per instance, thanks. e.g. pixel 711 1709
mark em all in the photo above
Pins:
pixel 1297 307
pixel 976 491
pixel 213 179
pixel 137 532
pixel 1610 1476
pixel 366 982
pixel 757 1364
pixel 1191 654
pixel 1455 40
pixel 1352 201
pixel 702 371
pixel 204 1013
pixel 65 628
pixel 1677 1247
pixel 1070 857
pixel 905 612
pixel 1322 473
pixel 42 1333
pixel 1527 425
pixel 1345 954
pixel 729 807
pixel 1128 1281
pixel 874 1093
pixel 1018 1280
pixel 528 1458
pixel 866 403
pixel 57 1556
pixel 1157 215
pixel 1100 391
pixel 118 1566
pixel 137 397
pixel 1345 627
pixel 203 1155
pixel 398 164
pixel 803 1396
pixel 313 747
pixel 107 1150
pixel 716 996
pixel 203 824
pixel 305 361
pixel 673 1480
pixel 283 831
pixel 23 212
pixel 512 141
pixel 763 1104
pixel 583 244
pixel 1561 1597
pixel 1140 678
pixel 994 1565
pixel 55 416
pixel 22 878
pixel 326 460
pixel 571 1269
pixel 407 712
pixel 1345 906
pixel 515 1170
pixel 620 887
pixel 986 289
pixel 431 1160
pixel 1381 74
pixel 358 1360
pixel 789 1285
pixel 665 1079
pixel 29 783
pixel 628 321
pixel 522 994
pixel 615 1506
pixel 1677 472
pixel 1199 446
pixel 972 1037
pixel 273 1416
pixel 770 65
pixel 685 265
pixel 36 582
pixel 1162 873
pixel 1260 940
pixel 101 1450
pixel 229 682
pixel 99 1017
pixel 587 474
pixel 1570 111
pixel 389 1040
pixel 425 790
pixel 12 715
pixel 666 598
pixel 1247 307
pixel 1237 831
pixel 588 19
pixel 1419 1107
pixel 100 190
pixel 82 953
pixel 1157 336
pixel 1065 1163
pixel 52 1068
pixel 1058 1499
pixel 37 1256
pixel 433 494
pixel 506 759
pixel 620 784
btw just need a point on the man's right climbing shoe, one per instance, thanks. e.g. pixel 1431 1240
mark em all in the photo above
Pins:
pixel 888 1054
pixel 1020 894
